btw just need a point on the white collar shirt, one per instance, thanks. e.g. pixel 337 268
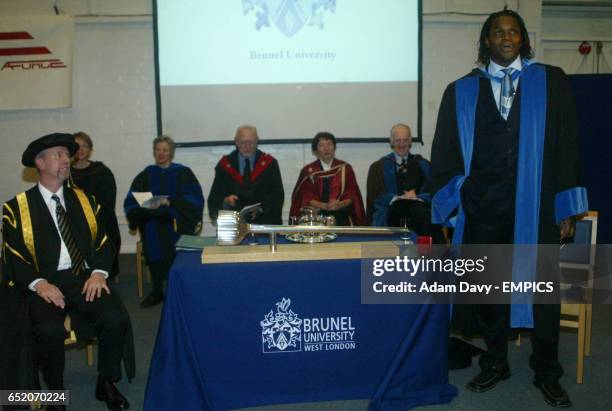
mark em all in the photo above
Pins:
pixel 326 166
pixel 64 262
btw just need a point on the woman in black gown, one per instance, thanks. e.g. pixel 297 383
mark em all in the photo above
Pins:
pixel 97 179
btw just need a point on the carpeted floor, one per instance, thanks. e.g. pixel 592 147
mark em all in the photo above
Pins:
pixel 516 393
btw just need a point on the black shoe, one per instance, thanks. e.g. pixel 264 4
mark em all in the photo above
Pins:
pixel 488 379
pixel 554 394
pixel 151 300
pixel 107 392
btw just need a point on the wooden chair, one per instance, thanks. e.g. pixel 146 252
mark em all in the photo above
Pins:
pixel 580 316
pixel 141 268
pixel 73 340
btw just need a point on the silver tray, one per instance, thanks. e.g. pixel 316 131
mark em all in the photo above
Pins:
pixel 311 238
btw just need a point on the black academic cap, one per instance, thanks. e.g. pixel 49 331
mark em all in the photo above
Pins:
pixel 45 142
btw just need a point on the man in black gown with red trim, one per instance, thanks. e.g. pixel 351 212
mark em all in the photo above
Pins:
pixel 247 176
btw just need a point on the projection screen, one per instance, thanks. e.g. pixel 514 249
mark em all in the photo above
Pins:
pixel 290 67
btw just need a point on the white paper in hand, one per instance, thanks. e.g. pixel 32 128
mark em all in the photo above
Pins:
pixel 148 200
pixel 141 197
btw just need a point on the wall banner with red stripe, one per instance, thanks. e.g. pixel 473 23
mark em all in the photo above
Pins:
pixel 36 62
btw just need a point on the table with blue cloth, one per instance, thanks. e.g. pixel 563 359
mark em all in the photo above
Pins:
pixel 238 335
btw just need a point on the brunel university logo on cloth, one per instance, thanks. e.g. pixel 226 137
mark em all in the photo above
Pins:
pixel 283 331
pixel 289 16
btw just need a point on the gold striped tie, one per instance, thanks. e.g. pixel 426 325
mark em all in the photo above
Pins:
pixel 64 227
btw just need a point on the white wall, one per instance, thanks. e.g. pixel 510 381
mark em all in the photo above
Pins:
pixel 567 27
pixel 114 93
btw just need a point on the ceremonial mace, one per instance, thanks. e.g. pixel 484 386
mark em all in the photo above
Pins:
pixel 232 229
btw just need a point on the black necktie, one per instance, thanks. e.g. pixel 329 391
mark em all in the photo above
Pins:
pixel 325 193
pixel 246 174
pixel 64 227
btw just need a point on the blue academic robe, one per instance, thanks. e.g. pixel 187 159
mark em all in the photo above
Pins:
pixel 547 188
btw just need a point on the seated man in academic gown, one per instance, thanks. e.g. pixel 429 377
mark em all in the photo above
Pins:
pixel 56 259
pixel 397 188
pixel 247 176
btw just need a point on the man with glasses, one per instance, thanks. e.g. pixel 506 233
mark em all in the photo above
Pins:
pixel 247 176
pixel 398 188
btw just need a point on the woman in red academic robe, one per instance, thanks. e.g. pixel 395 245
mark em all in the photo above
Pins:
pixel 329 185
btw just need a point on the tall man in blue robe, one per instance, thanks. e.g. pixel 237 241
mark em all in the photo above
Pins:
pixel 505 171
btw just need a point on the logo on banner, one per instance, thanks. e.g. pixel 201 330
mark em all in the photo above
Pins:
pixel 281 331
pixel 288 16
pixel 17 38
pixel 284 331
